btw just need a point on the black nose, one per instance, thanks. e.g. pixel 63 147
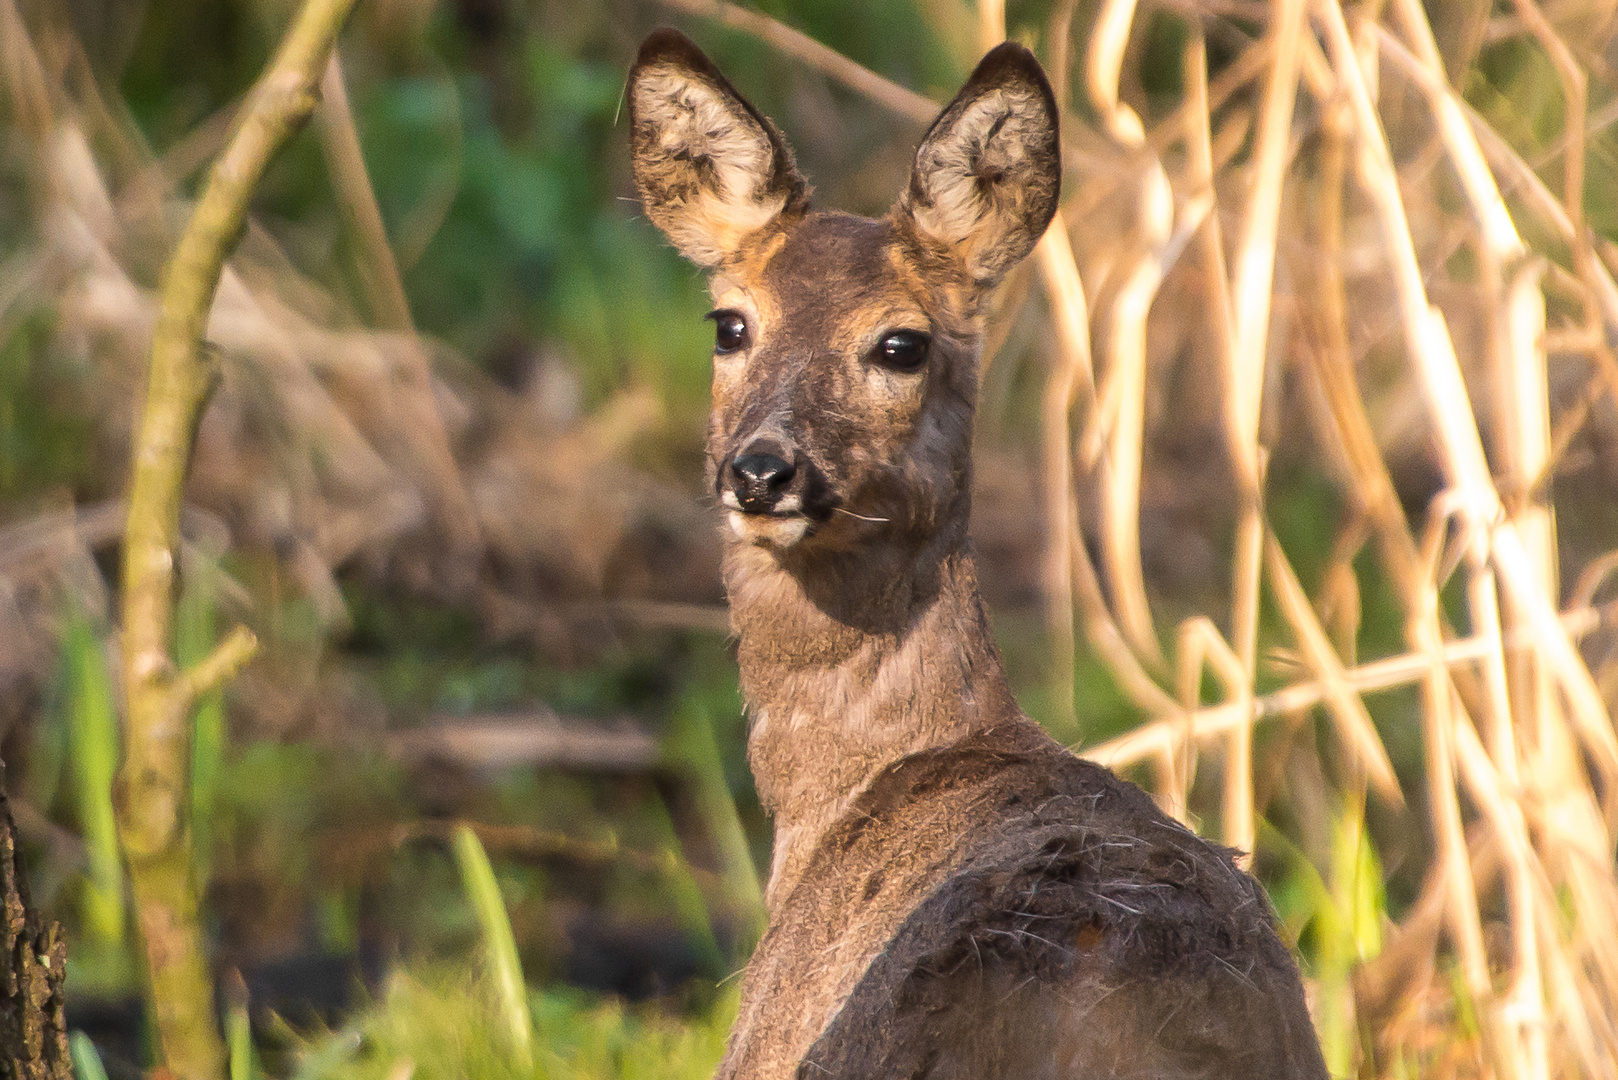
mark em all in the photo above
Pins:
pixel 759 479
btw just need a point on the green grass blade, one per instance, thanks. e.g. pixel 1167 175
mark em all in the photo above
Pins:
pixel 691 742
pixel 483 893
pixel 690 912
pixel 86 1058
pixel 238 1028
pixel 94 742
pixel 195 634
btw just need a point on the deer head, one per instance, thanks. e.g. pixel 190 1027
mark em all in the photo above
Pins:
pixel 846 348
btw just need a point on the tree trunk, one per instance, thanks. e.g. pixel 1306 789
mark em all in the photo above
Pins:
pixel 33 959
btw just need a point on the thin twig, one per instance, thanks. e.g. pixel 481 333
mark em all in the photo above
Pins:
pixel 152 781
pixel 797 44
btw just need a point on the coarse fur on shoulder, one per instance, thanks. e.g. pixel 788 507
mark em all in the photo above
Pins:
pixel 1010 875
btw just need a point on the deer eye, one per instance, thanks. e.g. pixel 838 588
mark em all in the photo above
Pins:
pixel 730 331
pixel 903 350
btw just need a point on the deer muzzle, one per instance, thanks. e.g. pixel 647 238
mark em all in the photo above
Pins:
pixel 763 487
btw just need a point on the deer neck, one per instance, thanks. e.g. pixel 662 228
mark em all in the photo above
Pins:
pixel 851 661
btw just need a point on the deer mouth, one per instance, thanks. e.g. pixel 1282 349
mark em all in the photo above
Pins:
pixel 775 530
pixel 779 525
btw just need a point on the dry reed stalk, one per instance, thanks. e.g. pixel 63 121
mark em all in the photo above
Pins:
pixel 1440 709
pixel 1247 354
pixel 1121 415
pixel 379 271
pixel 797 44
pixel 1575 104
pixel 1200 644
pixel 1343 702
pixel 1521 1009
pixel 27 88
pixel 1109 38
pixel 1058 52
pixel 1433 355
pixel 1058 271
pixel 1237 804
pixel 1071 371
pixel 1253 266
pixel 1371 677
pixel 1522 375
pixel 1126 435
pixel 1068 561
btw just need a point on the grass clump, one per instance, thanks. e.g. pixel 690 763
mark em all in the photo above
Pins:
pixel 437 1023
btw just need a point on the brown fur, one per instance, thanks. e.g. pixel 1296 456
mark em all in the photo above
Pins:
pixel 952 895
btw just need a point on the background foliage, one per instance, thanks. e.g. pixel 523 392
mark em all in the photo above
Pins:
pixel 558 677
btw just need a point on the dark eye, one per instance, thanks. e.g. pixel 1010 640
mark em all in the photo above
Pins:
pixel 730 331
pixel 903 350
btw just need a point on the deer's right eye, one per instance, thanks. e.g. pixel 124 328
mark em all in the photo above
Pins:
pixel 730 331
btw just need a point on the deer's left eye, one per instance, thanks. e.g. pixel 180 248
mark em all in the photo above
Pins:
pixel 903 350
pixel 730 331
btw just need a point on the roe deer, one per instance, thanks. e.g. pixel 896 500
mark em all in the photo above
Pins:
pixel 953 894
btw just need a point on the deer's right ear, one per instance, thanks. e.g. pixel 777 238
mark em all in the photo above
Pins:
pixel 711 170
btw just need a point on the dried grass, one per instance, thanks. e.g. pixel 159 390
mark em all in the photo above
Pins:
pixel 336 437
pixel 1332 235
pixel 1280 241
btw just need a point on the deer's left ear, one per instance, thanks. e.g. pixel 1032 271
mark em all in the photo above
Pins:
pixel 711 169
pixel 988 173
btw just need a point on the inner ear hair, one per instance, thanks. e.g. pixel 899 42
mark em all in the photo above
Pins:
pixel 711 170
pixel 988 173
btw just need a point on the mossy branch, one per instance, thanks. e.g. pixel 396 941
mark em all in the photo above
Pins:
pixel 151 786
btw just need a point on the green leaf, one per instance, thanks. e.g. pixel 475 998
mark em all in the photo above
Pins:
pixel 500 944
pixel 94 744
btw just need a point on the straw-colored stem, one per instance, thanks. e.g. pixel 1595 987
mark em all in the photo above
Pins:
pixel 1523 1007
pixel 1065 292
pixel 152 823
pixel 1126 376
pixel 1253 267
pixel 1069 372
pixel 1124 417
pixel 797 44
pixel 1237 817
pixel 1342 701
pixel 1432 353
pixel 1376 675
pixel 1523 445
pixel 1109 39
pixel 1201 645
pixel 1058 56
pixel 1439 718
pixel 1249 543
pixel 385 296
pixel 1059 272
pixel 1575 97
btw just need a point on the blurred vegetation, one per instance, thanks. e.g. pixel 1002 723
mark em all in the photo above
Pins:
pixel 574 365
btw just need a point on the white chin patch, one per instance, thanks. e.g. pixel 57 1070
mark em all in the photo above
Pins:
pixel 778 532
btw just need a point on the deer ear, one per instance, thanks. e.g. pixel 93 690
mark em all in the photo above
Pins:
pixel 988 172
pixel 711 170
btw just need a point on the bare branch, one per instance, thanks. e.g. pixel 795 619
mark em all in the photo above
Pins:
pixel 152 781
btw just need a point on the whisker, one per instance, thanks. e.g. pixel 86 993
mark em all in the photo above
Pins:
pixel 862 517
